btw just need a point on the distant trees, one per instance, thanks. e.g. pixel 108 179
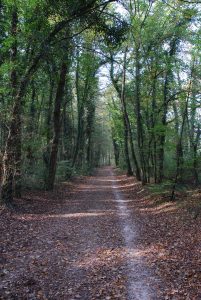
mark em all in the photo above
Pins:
pixel 160 91
pixel 37 63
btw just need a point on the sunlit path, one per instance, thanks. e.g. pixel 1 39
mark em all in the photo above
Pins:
pixel 85 247
pixel 138 285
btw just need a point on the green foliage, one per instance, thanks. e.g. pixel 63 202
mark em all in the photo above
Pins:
pixel 64 171
pixel 162 76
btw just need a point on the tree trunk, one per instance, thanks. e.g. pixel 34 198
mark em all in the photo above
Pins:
pixel 125 118
pixel 49 113
pixel 140 135
pixel 14 81
pixel 163 133
pixel 179 153
pixel 46 153
pixel 12 155
pixel 89 130
pixel 116 151
pixel 9 159
pixel 126 151
pixel 137 168
pixel 168 77
pixel 57 127
pixel 121 94
pixel 195 164
pixel 194 138
pixel 81 101
pixel 31 129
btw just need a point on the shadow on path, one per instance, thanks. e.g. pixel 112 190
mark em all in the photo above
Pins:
pixel 79 242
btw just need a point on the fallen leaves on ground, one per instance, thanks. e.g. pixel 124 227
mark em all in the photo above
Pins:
pixel 68 244
pixel 170 235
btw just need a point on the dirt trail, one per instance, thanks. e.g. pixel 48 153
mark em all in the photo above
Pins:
pixel 79 244
pixel 138 285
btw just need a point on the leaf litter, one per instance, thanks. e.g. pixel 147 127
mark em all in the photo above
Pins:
pixel 68 244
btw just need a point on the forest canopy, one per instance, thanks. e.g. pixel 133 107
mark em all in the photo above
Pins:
pixel 95 82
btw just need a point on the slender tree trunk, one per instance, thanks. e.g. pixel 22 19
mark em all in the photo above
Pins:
pixel 49 113
pixel 66 132
pixel 194 141
pixel 126 151
pixel 121 94
pixel 80 109
pixel 179 150
pixel 89 131
pixel 168 77
pixel 153 135
pixel 140 135
pixel 163 133
pixel 14 81
pixel 179 153
pixel 31 128
pixel 79 134
pixel 195 164
pixel 194 137
pixel 137 168
pixel 116 151
pixel 49 133
pixel 57 127
pixel 81 101
pixel 68 128
pixel 12 155
pixel 125 118
pixel 155 161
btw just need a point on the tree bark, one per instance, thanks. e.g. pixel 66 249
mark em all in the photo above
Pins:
pixel 168 77
pixel 140 135
pixel 12 155
pixel 89 131
pixel 116 151
pixel 57 127
pixel 179 150
pixel 163 133
pixel 125 117
pixel 121 95
pixel 80 108
pixel 195 159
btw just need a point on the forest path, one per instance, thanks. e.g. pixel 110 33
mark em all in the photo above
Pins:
pixel 85 247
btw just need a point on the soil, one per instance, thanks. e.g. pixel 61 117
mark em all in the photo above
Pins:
pixel 99 237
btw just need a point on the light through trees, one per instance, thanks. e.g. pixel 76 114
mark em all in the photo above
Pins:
pixel 59 117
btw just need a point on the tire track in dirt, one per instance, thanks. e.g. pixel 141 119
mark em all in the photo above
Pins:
pixel 78 243
pixel 137 286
